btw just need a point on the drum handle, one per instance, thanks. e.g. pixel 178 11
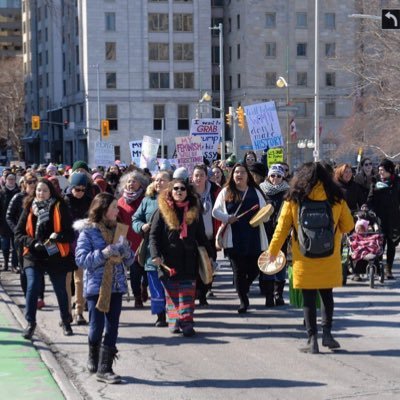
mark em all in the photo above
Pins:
pixel 255 207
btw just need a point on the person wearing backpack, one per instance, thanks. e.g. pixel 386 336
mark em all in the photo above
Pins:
pixel 317 214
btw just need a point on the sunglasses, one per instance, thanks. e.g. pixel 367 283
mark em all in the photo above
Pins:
pixel 367 164
pixel 30 182
pixel 275 176
pixel 79 190
pixel 179 189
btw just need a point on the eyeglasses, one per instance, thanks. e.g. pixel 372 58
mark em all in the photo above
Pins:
pixel 179 189
pixel 31 182
pixel 367 164
pixel 286 169
pixel 275 176
pixel 79 190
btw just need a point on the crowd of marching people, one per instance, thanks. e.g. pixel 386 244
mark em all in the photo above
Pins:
pixel 65 222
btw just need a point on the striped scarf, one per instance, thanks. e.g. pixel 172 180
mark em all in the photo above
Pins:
pixel 41 209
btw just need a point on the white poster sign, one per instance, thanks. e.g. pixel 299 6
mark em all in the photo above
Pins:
pixel 209 129
pixel 135 149
pixel 104 154
pixel 263 123
pixel 148 158
pixel 189 151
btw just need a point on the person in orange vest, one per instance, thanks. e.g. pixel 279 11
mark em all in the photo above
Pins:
pixel 45 232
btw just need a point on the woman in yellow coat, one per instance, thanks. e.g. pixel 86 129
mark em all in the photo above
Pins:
pixel 314 274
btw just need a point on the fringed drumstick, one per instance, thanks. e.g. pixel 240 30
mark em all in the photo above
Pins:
pixel 255 207
pixel 171 271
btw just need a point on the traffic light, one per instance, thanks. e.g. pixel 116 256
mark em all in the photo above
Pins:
pixel 35 122
pixel 105 128
pixel 66 124
pixel 240 117
pixel 228 119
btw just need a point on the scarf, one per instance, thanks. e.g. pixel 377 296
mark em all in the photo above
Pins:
pixel 386 183
pixel 205 198
pixel 132 196
pixel 269 189
pixel 107 230
pixel 41 209
pixel 10 187
pixel 183 227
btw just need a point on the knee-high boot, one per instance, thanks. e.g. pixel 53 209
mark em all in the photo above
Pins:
pixel 105 372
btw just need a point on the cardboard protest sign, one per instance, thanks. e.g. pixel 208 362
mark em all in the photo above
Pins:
pixel 263 123
pixel 209 129
pixel 189 151
pixel 148 158
pixel 135 149
pixel 104 154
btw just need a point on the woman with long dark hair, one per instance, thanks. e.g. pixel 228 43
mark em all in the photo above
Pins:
pixel 244 243
pixel 313 275
pixel 45 232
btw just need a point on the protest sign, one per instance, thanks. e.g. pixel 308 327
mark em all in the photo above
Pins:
pixel 135 149
pixel 189 151
pixel 263 124
pixel 274 156
pixel 104 154
pixel 148 158
pixel 209 129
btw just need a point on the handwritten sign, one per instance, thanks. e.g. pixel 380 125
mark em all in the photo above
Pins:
pixel 263 124
pixel 189 151
pixel 135 148
pixel 209 129
pixel 148 158
pixel 274 156
pixel 104 154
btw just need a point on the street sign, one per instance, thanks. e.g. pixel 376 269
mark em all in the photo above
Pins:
pixel 390 19
pixel 246 147
pixel 288 108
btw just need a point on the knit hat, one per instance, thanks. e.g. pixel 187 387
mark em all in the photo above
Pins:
pixel 80 164
pixel 181 173
pixel 165 166
pixel 259 169
pixel 276 169
pixel 51 167
pixel 97 175
pixel 78 179
pixel 362 223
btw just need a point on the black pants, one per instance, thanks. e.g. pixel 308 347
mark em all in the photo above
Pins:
pixel 390 251
pixel 310 309
pixel 245 270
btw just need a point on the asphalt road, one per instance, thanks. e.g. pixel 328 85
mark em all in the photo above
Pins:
pixel 252 356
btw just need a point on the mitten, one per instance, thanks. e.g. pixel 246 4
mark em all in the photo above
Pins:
pixel 110 250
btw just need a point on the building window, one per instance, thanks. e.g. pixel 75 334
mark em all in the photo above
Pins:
pixel 230 53
pixel 183 23
pixel 183 52
pixel 184 80
pixel 217 3
pixel 230 82
pixel 78 82
pixel 111 51
pixel 301 49
pixel 215 23
pixel 301 109
pixel 158 51
pixel 330 21
pixel 330 50
pixel 301 20
pixel 215 55
pixel 270 79
pixel 76 55
pixel 117 152
pixel 229 25
pixel 238 51
pixel 270 50
pixel 330 109
pixel 239 83
pixel 270 20
pixel 112 116
pixel 330 79
pixel 159 116
pixel 183 117
pixel 158 22
pixel 302 79
pixel 215 84
pixel 159 80
pixel 238 21
pixel 110 21
pixel 111 80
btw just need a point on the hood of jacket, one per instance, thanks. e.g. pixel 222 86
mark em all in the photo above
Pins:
pixel 318 192
pixel 81 224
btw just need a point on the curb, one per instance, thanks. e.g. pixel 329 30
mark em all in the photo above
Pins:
pixel 68 389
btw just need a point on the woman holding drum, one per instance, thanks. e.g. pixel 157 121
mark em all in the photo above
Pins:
pixel 242 242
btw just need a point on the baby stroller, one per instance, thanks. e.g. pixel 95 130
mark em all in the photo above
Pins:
pixel 366 247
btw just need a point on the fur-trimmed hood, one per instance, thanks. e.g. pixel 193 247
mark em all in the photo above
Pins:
pixel 169 214
pixel 81 224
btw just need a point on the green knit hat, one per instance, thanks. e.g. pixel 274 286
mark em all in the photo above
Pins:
pixel 80 164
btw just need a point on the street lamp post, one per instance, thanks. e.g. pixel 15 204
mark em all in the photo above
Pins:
pixel 282 83
pixel 98 95
pixel 221 86
pixel 316 84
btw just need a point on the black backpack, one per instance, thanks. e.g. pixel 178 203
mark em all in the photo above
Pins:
pixel 316 235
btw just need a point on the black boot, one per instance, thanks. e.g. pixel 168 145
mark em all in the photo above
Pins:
pixel 104 372
pixel 161 320
pixel 244 303
pixel 312 345
pixel 93 360
pixel 28 332
pixel 388 272
pixel 328 340
pixel 278 293
pixel 269 294
pixel 66 327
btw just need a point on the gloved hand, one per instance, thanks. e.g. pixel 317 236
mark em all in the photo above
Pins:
pixel 110 250
pixel 124 249
pixel 54 236
pixel 40 249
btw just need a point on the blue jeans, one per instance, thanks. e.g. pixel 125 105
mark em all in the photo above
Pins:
pixel 6 243
pixel 98 319
pixel 34 277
